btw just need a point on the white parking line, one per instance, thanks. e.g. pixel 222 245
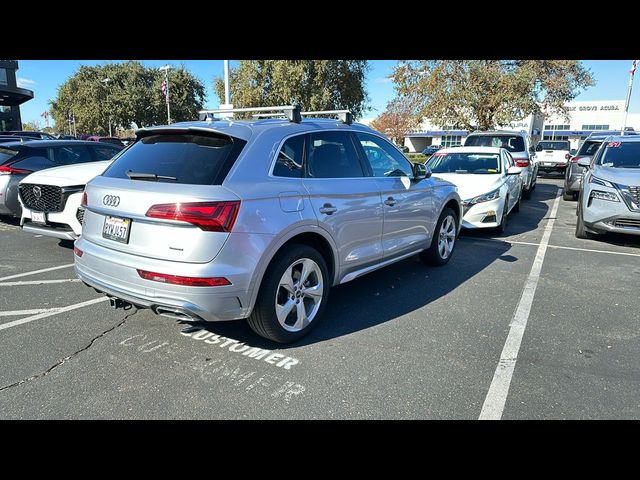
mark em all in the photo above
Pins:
pixel 497 396
pixel 38 282
pixel 578 249
pixel 35 271
pixel 49 314
pixel 14 313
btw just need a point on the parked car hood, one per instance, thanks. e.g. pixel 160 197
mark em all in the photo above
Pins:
pixel 470 185
pixel 623 176
pixel 68 175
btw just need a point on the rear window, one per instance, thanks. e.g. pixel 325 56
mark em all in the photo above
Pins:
pixel 189 158
pixel 513 143
pixel 589 148
pixel 6 154
pixel 552 146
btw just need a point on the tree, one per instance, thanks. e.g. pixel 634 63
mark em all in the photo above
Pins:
pixel 33 126
pixel 398 118
pixel 312 84
pixel 487 93
pixel 133 94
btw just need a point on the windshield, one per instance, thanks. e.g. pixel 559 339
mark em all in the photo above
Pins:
pixel 513 143
pixel 6 154
pixel 589 148
pixel 620 155
pixel 560 145
pixel 465 162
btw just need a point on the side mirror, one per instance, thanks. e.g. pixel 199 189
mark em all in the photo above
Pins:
pixel 584 162
pixel 514 171
pixel 420 172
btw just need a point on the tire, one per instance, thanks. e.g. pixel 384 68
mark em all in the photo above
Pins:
pixel 568 196
pixel 516 207
pixel 505 215
pixel 526 194
pixel 433 255
pixel 264 319
pixel 581 231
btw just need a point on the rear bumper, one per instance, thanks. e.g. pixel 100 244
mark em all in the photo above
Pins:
pixel 556 167
pixel 106 271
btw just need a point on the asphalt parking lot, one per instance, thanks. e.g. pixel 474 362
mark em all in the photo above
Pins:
pixel 533 324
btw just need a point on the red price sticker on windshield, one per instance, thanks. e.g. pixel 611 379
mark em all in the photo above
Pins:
pixel 613 144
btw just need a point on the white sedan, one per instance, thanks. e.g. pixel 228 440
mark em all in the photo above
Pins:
pixel 488 182
pixel 51 199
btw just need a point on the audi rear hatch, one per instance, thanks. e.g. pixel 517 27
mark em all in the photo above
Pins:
pixel 163 197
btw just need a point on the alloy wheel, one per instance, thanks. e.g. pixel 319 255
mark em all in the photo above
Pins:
pixel 299 295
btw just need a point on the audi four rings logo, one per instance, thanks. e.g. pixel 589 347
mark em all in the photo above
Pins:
pixel 37 192
pixel 111 200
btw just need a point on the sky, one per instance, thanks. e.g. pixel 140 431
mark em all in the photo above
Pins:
pixel 45 76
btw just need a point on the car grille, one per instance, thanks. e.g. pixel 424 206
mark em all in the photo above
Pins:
pixel 50 198
pixel 626 223
pixel 80 215
pixel 635 193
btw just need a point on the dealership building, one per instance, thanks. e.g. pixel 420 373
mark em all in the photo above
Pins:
pixel 585 117
pixel 11 96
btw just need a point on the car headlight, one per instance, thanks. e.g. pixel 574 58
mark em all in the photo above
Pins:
pixel 487 197
pixel 600 181
pixel 600 195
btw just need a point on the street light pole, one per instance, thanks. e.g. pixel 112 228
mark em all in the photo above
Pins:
pixel 226 82
pixel 106 82
pixel 166 69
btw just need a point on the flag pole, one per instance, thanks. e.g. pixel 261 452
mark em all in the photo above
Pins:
pixel 626 104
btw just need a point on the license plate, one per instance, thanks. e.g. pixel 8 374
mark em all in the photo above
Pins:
pixel 548 164
pixel 117 229
pixel 38 217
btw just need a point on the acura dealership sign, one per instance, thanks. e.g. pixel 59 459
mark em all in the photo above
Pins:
pixel 592 108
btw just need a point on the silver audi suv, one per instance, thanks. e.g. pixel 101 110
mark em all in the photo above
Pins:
pixel 225 219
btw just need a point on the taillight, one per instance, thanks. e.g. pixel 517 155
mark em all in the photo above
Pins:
pixel 567 156
pixel 77 251
pixel 187 281
pixel 8 170
pixel 575 159
pixel 84 202
pixel 209 216
pixel 522 162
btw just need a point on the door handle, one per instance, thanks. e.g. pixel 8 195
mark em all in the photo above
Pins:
pixel 328 209
pixel 390 201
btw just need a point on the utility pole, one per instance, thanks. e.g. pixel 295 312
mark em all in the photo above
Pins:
pixel 106 83
pixel 626 104
pixel 226 82
pixel 165 90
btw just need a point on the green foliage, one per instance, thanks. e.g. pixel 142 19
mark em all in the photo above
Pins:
pixel 312 84
pixel 416 157
pixel 483 94
pixel 398 118
pixel 132 95
pixel 33 126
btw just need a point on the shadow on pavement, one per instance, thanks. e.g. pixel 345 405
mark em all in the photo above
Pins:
pixel 8 220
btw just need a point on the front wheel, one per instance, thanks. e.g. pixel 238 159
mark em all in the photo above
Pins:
pixel 505 215
pixel 443 241
pixel 293 295
pixel 581 231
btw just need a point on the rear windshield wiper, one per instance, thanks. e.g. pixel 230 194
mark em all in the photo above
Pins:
pixel 148 176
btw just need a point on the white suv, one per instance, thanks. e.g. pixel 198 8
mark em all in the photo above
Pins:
pixel 51 198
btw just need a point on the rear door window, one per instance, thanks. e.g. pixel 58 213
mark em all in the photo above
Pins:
pixel 333 155
pixel 190 158
pixel 6 154
pixel 69 155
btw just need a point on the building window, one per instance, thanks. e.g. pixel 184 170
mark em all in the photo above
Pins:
pixel 595 127
pixel 555 137
pixel 451 141
pixel 557 127
pixel 3 76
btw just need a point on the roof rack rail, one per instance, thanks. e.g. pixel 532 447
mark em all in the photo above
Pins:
pixel 345 116
pixel 268 115
pixel 292 112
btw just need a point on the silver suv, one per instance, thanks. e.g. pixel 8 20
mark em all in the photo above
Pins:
pixel 231 219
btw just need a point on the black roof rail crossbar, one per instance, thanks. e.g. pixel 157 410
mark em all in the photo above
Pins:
pixel 292 112
pixel 268 115
pixel 345 116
